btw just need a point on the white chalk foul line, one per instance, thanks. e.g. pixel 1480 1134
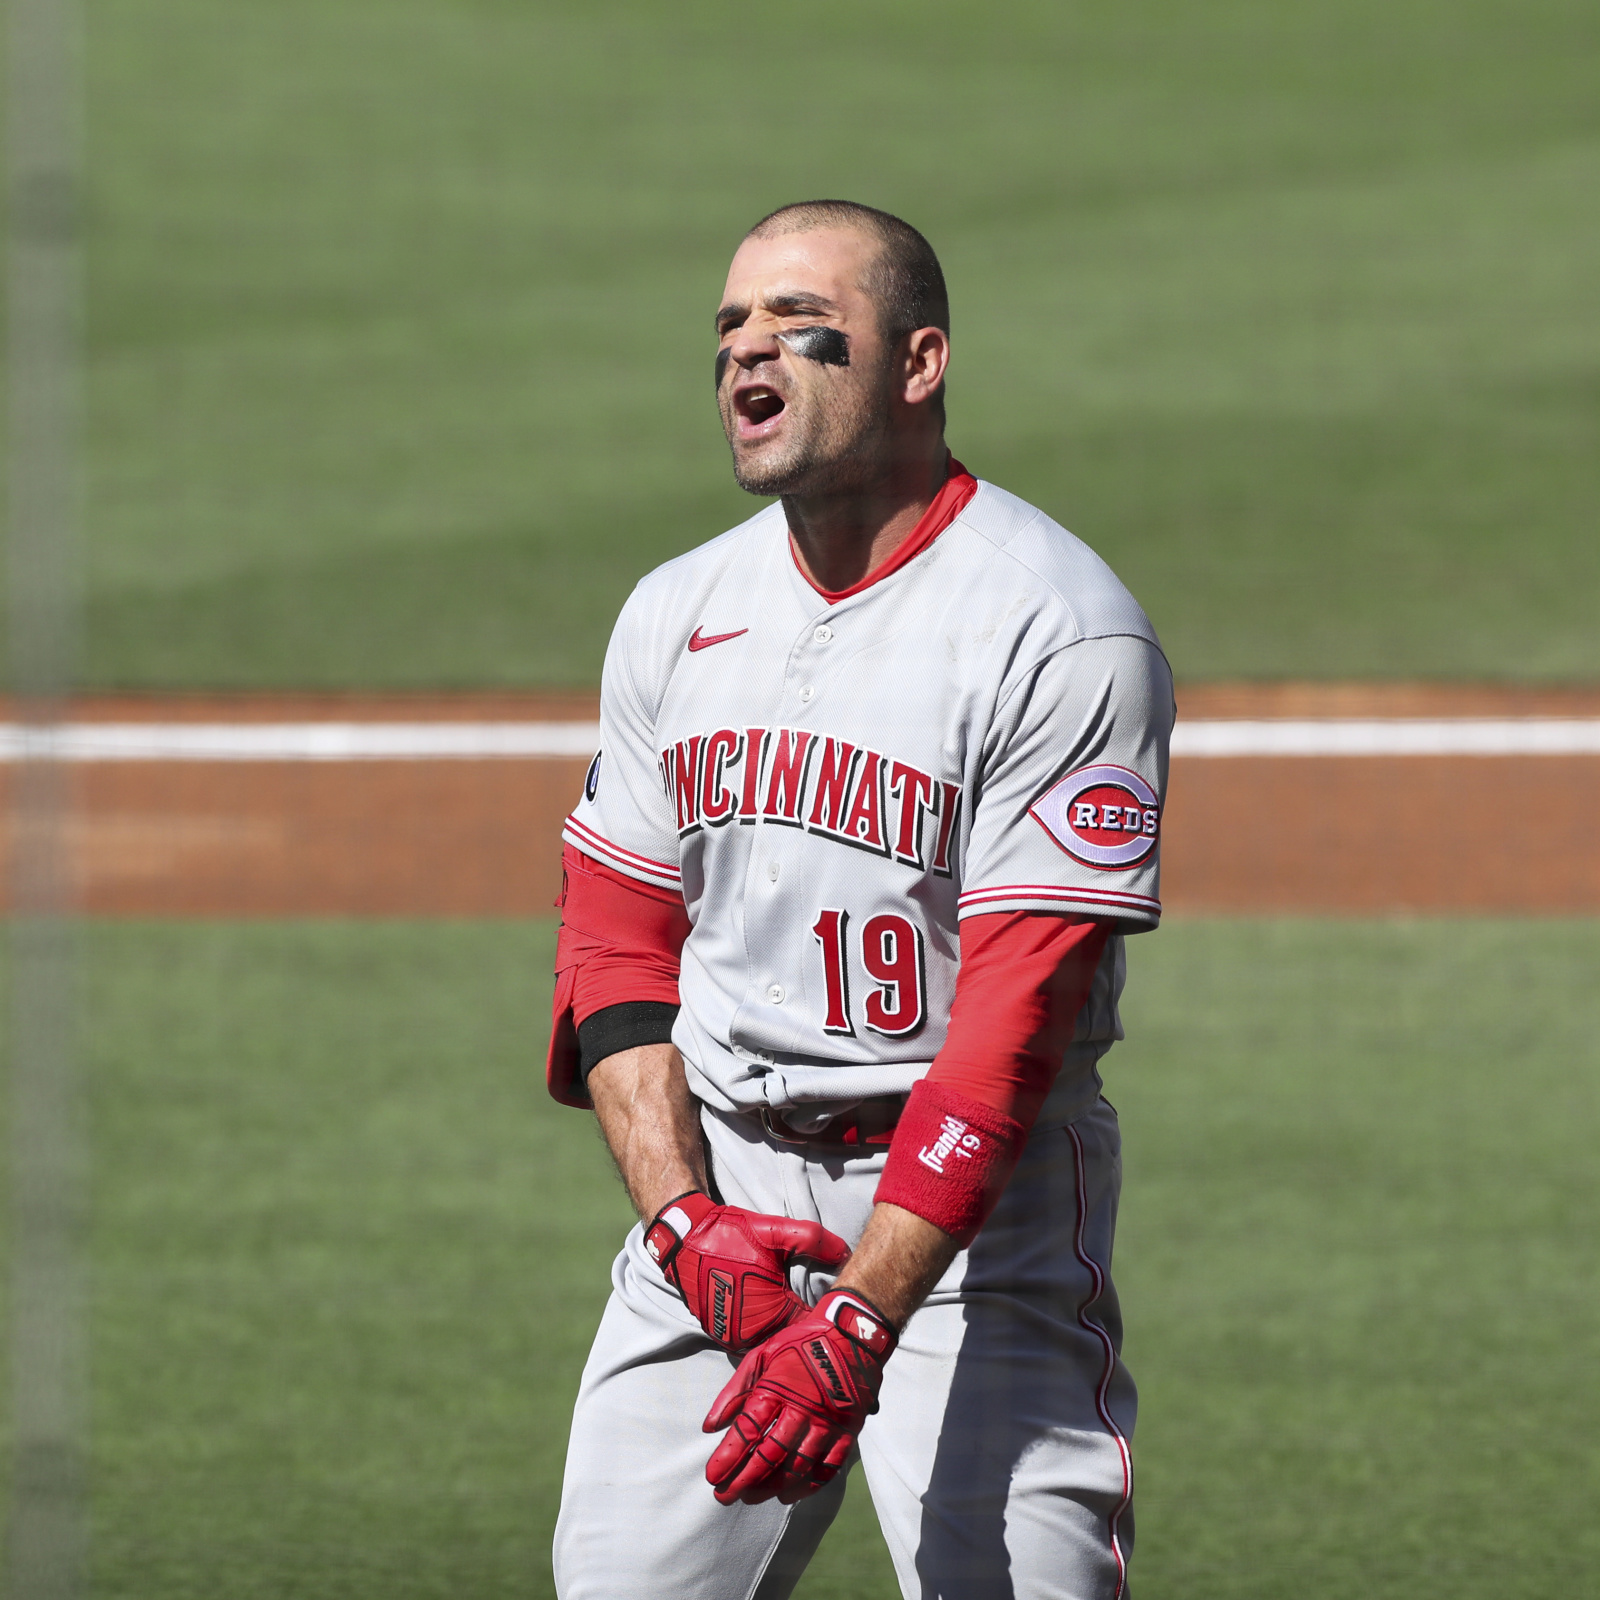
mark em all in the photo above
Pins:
pixel 480 741
pixel 299 741
pixel 1456 736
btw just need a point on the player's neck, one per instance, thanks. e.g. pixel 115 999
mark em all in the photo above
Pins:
pixel 840 538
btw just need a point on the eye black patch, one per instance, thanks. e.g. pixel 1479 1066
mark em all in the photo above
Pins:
pixel 826 345
pixel 722 366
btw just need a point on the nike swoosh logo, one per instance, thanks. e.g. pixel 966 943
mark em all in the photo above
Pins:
pixel 696 642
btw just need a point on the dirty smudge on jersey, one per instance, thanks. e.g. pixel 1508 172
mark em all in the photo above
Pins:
pixel 795 778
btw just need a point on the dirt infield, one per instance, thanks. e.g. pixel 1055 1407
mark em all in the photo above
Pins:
pixel 1342 834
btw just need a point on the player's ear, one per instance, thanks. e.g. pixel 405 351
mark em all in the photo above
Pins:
pixel 927 355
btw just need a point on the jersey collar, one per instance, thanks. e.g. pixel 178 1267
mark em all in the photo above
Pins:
pixel 959 487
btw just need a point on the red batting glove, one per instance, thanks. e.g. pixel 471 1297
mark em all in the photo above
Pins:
pixel 732 1266
pixel 797 1403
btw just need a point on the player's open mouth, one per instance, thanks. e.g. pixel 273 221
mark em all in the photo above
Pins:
pixel 758 409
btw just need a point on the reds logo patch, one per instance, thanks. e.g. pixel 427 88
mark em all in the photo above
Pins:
pixel 1104 816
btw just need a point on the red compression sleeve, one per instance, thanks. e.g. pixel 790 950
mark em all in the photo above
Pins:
pixel 1023 981
pixel 620 940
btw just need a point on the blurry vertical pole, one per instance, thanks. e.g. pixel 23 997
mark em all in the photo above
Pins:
pixel 45 1526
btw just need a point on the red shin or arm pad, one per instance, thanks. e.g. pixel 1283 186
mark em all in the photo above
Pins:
pixel 562 1076
pixel 597 900
pixel 950 1157
pixel 620 940
pixel 606 974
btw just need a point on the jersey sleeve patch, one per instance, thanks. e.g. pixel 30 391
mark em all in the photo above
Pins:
pixel 1105 816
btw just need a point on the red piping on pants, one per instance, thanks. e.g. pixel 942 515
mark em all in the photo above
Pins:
pixel 1085 1321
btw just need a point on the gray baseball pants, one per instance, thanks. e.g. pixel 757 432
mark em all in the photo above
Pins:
pixel 998 1460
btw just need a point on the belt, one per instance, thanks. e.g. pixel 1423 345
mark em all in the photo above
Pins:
pixel 871 1122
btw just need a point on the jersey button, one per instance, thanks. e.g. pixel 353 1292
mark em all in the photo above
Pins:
pixel 823 634
pixel 772 871
pixel 806 694
pixel 775 994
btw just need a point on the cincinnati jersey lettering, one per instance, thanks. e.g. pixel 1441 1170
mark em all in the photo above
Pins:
pixel 795 778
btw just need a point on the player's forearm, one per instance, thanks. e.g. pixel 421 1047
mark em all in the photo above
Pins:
pixel 651 1123
pixel 899 1260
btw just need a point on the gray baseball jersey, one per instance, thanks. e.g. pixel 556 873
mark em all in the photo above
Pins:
pixel 834 785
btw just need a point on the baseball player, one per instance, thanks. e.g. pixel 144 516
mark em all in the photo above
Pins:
pixel 878 797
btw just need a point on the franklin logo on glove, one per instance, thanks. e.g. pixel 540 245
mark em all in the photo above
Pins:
pixel 732 1266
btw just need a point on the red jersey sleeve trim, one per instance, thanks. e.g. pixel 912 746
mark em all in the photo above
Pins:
pixel 977 899
pixel 629 862
pixel 958 488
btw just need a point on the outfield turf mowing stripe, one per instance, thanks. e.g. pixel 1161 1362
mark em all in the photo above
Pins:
pixel 400 315
pixel 510 741
pixel 348 1257
pixel 1358 1257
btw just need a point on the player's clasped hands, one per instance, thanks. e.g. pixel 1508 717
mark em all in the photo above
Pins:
pixel 796 1404
pixel 798 1399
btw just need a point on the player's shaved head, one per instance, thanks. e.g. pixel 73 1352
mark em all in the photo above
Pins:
pixel 904 280
pixel 831 352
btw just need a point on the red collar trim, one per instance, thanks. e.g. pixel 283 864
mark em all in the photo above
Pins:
pixel 951 500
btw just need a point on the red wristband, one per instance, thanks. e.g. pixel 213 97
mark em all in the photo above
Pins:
pixel 950 1158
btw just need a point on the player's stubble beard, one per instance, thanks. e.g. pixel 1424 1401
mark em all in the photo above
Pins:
pixel 835 432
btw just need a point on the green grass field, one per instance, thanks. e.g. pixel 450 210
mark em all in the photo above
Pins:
pixel 399 344
pixel 347 1258
pixel 399 314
